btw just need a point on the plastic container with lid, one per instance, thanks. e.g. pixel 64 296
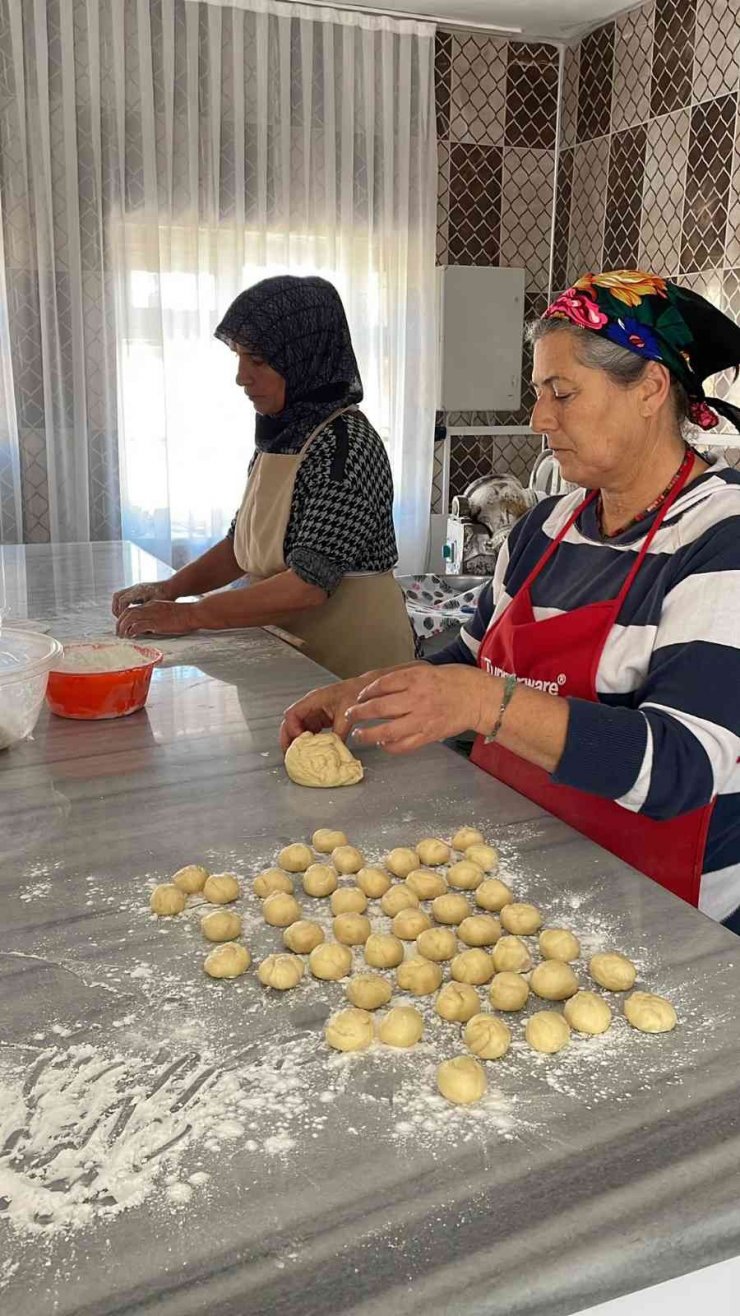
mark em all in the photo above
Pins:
pixel 101 679
pixel 26 657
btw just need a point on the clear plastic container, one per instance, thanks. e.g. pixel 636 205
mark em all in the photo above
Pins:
pixel 25 660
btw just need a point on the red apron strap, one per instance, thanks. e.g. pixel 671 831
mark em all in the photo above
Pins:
pixel 677 489
pixel 540 563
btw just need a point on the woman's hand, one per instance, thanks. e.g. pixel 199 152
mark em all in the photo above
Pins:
pixel 421 704
pixel 321 709
pixel 160 618
pixel 145 592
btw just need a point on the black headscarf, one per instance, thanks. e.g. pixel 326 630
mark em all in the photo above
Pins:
pixel 298 326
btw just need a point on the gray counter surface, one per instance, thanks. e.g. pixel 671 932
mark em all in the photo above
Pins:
pixel 182 1146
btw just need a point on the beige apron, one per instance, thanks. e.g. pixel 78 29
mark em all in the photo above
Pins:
pixel 364 623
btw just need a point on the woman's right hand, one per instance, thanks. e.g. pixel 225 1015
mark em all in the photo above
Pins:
pixel 146 592
pixel 322 709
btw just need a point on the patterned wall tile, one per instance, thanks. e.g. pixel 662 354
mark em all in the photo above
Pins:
pixel 559 272
pixel 624 199
pixel 442 80
pixel 673 55
pixel 475 205
pixel 633 53
pixel 595 83
pixel 569 103
pixel 443 201
pixel 34 486
pixel 708 182
pixel 717 48
pixel 590 173
pixel 662 195
pixel 526 213
pixel 471 456
pixel 726 385
pixel 732 233
pixel 438 474
pixel 477 99
pixel 531 95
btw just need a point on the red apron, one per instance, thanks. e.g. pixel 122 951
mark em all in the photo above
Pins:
pixel 561 655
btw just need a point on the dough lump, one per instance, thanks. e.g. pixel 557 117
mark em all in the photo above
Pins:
pixel 450 908
pixel 588 1013
pixel 330 961
pixel 409 923
pixel 487 1037
pixel 457 1002
pixel 221 889
pixel 167 899
pixel 479 930
pixel 553 981
pixel 352 929
pixel 650 1013
pixel 190 879
pixel 402 861
pixel 281 971
pixel 465 837
pixel 465 875
pixel 227 961
pixel 280 909
pixel 348 900
pixel 508 991
pixel 302 936
pixel 374 882
pixel 347 859
pixel 547 1031
pixel 368 991
pixel 511 954
pixel 521 919
pixel 559 944
pixel 273 879
pixel 398 897
pixel 295 858
pixel 462 1080
pixel 383 951
pixel 324 840
pixel 485 856
pixel 322 760
pixel 350 1030
pixel 612 970
pixel 475 966
pixel 426 885
pixel 493 894
pixel 418 976
pixel 320 880
pixel 437 944
pixel 432 851
pixel 401 1026
pixel 222 925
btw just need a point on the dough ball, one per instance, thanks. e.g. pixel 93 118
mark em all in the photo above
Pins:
pixel 462 1080
pixel 374 882
pixel 398 897
pixel 457 1002
pixel 464 875
pixel 347 859
pixel 508 991
pixel 472 966
pixel 280 909
pixel 553 981
pixel 402 861
pixel 559 944
pixel 302 936
pixel 450 908
pixel 273 879
pixel 649 1013
pixel 221 889
pixel 295 858
pixel 437 944
pixel 349 900
pixel 493 894
pixel 408 923
pixel 383 951
pixel 227 961
pixel 426 885
pixel 487 1037
pixel 352 929
pixel 190 879
pixel 547 1031
pixel 324 840
pixel 320 880
pixel 368 991
pixel 330 961
pixel 350 1030
pixel 479 930
pixel 465 837
pixel 321 760
pixel 588 1013
pixel 401 1026
pixel 612 970
pixel 511 954
pixel 433 852
pixel 485 856
pixel 418 976
pixel 521 919
pixel 281 971
pixel 223 925
pixel 167 899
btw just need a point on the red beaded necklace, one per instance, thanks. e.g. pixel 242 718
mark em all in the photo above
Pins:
pixel 688 459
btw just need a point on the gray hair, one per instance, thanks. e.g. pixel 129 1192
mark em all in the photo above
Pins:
pixel 623 367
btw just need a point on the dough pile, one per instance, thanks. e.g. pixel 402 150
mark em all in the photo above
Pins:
pixel 322 760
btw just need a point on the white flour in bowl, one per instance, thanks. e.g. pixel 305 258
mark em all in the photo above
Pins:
pixel 85 659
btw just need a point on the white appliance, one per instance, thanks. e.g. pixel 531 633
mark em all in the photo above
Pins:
pixel 481 323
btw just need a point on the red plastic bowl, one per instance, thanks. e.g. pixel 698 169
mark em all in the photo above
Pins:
pixel 102 694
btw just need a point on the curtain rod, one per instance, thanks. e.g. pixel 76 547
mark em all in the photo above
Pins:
pixel 436 19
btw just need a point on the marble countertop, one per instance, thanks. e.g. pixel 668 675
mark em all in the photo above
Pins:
pixel 300 1181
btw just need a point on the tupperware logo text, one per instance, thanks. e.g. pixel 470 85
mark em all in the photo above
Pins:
pixel 549 687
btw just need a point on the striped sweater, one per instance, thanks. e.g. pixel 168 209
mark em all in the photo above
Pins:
pixel 664 736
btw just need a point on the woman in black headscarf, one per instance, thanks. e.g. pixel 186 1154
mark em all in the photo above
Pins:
pixel 314 533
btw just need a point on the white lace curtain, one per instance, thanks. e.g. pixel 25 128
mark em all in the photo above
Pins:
pixel 156 157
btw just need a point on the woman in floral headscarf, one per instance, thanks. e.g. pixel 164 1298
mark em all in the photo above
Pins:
pixel 602 669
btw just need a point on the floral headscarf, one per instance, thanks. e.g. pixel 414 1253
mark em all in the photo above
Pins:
pixel 660 321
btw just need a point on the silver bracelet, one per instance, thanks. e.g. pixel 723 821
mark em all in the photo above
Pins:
pixel 510 684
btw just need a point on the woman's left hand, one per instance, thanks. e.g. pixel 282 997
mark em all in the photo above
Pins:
pixel 419 705
pixel 158 618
